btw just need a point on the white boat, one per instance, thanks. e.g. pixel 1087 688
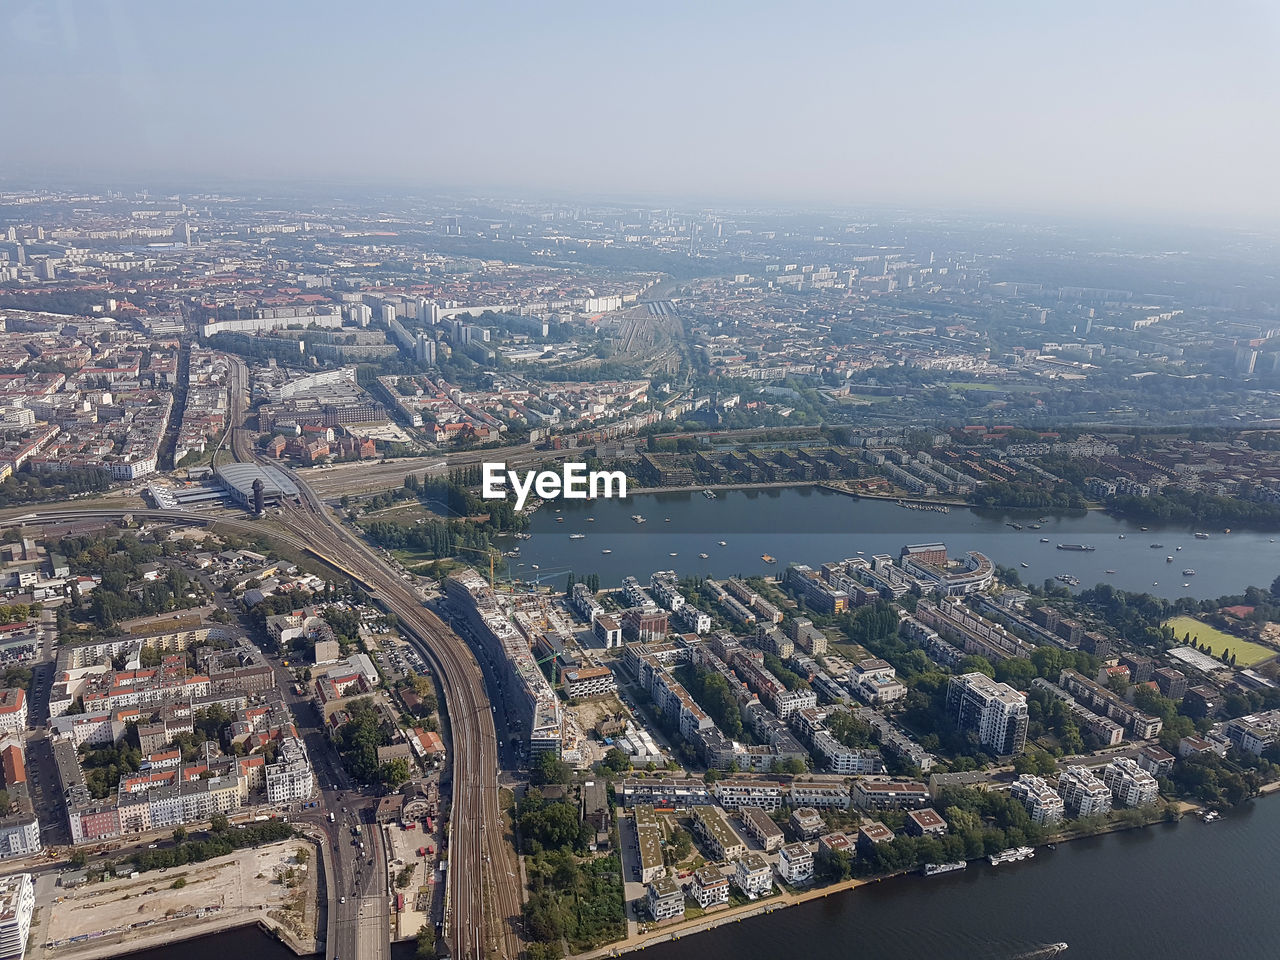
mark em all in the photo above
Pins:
pixel 606 551
pixel 1044 539
pixel 1011 855
pixel 666 519
pixel 709 494
pixel 1201 536
pixel 723 544
pixel 673 554
pixel 1024 565
pixel 704 556
pixel 534 567
pixel 577 536
pixel 591 519
pixel 1188 572
pixel 637 518
pixel 559 519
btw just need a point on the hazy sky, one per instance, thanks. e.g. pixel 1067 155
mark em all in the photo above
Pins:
pixel 1161 108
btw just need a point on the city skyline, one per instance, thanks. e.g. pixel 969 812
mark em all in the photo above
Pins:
pixel 1144 113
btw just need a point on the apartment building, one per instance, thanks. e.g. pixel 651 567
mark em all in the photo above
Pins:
pixel 889 795
pixel 753 876
pixel 734 794
pixel 709 887
pixel 712 829
pixel 1083 794
pixel 795 864
pixel 758 824
pixel 1041 801
pixel 820 796
pixel 649 844
pixel 17 904
pixel 996 712
pixel 665 899
pixel 1130 785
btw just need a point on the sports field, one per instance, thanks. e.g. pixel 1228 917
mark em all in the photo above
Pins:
pixel 1246 653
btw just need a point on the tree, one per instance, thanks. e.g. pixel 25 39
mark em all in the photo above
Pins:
pixel 394 772
pixel 219 823
pixel 179 834
pixel 616 761
pixel 548 768
pixel 426 949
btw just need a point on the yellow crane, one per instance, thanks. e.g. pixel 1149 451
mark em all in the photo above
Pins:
pixel 490 554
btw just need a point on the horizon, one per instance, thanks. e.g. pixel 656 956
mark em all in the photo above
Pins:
pixel 1145 115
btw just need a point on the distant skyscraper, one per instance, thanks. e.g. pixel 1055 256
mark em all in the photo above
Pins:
pixel 22 255
pixel 388 313
pixel 1246 359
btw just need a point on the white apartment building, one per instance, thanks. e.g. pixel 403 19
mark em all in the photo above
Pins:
pixel 795 864
pixel 710 888
pixel 846 761
pixel 1042 802
pixel 17 903
pixel 733 794
pixel 753 876
pixel 1083 794
pixel 13 710
pixel 996 712
pixel 1130 785
pixel 290 777
pixel 666 900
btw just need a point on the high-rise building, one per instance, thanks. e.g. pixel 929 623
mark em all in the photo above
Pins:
pixel 996 712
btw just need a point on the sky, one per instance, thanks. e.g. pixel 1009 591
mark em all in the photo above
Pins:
pixel 1155 109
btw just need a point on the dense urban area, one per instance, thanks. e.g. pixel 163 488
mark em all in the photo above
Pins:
pixel 272 657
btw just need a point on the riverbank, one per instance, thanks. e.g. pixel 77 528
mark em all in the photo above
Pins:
pixel 791 898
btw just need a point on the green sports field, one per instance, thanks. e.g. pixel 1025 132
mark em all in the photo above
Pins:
pixel 1247 653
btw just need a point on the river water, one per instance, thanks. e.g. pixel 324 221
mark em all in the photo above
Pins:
pixel 1186 891
pixel 810 525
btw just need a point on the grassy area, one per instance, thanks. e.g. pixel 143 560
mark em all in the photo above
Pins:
pixel 1246 653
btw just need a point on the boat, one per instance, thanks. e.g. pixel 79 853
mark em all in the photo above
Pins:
pixel 637 518
pixel 1035 526
pixel 1078 547
pixel 533 567
pixel 1177 548
pixel 768 559
pixel 1188 572
pixel 1108 571
pixel 666 519
pixel 1011 855
pixel 1186 584
pixel 709 494
pixel 722 543
pixel 559 519
pixel 1157 546
pixel 933 869
pixel 1143 529
pixel 577 536
pixel 1122 536
pixel 673 554
pixel 1024 565
pixel 703 556
pixel 1044 539
pixel 606 551
pixel 1168 559
pixel 1201 536
pixel 1068 579
pixel 591 519
pixel 1016 526
pixel 1208 816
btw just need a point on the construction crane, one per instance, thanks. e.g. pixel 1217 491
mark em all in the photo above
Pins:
pixel 490 554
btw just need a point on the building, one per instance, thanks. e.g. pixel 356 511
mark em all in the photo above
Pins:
pixel 586 682
pixel 1083 794
pixel 1041 801
pixel 1100 699
pixel 709 887
pixel 734 794
pixel 665 900
pixel 807 823
pixel 1130 785
pixel 820 796
pixel 663 792
pixel 831 844
pixel 870 834
pixel 17 903
pixel 760 825
pixel 649 844
pixel 889 795
pixel 13 710
pixel 713 830
pixel 875 681
pixel 1255 732
pixel 1156 760
pixel 996 712
pixel 290 779
pixel 753 876
pixel 795 864
pixel 926 822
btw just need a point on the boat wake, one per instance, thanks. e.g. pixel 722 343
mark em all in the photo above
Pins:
pixel 1042 953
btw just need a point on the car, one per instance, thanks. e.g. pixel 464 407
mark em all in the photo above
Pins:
pixel 342 899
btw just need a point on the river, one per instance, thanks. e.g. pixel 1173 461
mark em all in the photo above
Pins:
pixel 812 525
pixel 1182 891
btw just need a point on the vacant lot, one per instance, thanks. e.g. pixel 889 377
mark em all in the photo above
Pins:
pixel 1246 653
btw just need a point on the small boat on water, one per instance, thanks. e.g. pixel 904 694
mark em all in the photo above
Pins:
pixel 666 519
pixel 703 556
pixel 673 554
pixel 577 536
pixel 709 494
pixel 1201 536
pixel 606 551
pixel 1168 559
pixel 933 869
pixel 723 544
pixel 1189 572
pixel 534 567
pixel 1122 536
pixel 1044 539
pixel 591 519
pixel 768 559
pixel 1024 565
pixel 1157 546
pixel 637 518
pixel 1011 855
pixel 559 519
pixel 1109 571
